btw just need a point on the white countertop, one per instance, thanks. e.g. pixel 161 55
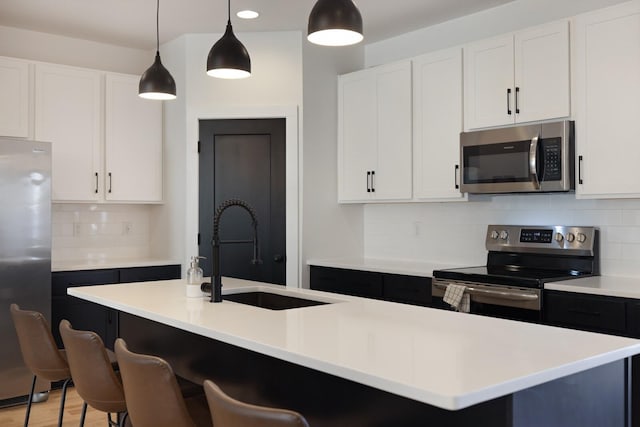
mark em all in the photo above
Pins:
pixel 626 287
pixel 410 268
pixel 442 358
pixel 93 264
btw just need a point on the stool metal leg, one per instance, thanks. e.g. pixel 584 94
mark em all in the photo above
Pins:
pixel 33 389
pixel 83 414
pixel 62 400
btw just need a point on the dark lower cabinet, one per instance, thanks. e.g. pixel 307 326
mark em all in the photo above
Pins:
pixel 86 315
pixel 383 286
pixel 589 312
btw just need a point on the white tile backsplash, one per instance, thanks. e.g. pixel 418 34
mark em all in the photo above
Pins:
pixel 453 233
pixel 100 232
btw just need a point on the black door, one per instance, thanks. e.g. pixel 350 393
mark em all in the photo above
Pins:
pixel 244 159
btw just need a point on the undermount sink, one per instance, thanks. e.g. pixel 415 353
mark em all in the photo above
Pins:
pixel 271 301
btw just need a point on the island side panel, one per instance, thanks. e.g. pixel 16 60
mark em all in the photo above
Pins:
pixel 324 399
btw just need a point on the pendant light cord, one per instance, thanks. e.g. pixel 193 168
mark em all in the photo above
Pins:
pixel 229 11
pixel 158 27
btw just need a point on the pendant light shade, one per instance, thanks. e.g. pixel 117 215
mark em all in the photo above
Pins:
pixel 335 23
pixel 228 58
pixel 157 83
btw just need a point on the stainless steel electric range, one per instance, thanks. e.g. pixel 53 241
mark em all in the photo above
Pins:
pixel 521 259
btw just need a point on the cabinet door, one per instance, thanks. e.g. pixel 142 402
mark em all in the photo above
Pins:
pixel 14 102
pixel 542 73
pixel 356 135
pixel 67 113
pixel 437 123
pixel 588 312
pixel 607 70
pixel 392 179
pixel 488 83
pixel 133 142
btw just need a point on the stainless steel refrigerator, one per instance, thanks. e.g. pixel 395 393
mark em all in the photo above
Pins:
pixel 25 251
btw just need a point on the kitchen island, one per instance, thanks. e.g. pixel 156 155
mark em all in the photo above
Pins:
pixel 355 361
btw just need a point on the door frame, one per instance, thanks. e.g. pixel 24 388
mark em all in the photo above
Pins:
pixel 292 185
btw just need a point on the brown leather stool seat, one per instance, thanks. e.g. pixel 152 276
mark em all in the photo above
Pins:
pixel 153 395
pixel 228 412
pixel 92 371
pixel 40 353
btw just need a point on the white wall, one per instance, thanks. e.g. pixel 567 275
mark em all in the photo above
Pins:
pixel 454 232
pixel 45 47
pixel 502 19
pixel 328 229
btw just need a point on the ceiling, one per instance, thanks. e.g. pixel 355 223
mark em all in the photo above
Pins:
pixel 132 23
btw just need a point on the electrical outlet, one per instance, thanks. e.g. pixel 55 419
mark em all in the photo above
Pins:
pixel 127 228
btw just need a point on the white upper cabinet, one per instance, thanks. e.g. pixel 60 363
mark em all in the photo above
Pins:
pixel 67 114
pixel 607 83
pixel 437 123
pixel 14 102
pixel 133 142
pixel 518 77
pixel 374 134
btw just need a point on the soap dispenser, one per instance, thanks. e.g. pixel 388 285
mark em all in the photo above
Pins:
pixel 194 277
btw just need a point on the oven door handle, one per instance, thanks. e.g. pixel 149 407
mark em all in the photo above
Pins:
pixel 515 296
pixel 533 161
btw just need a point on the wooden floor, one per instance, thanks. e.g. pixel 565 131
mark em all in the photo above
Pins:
pixel 45 414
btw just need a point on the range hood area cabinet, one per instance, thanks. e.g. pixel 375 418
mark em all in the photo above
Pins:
pixel 107 142
pixel 518 77
pixel 14 102
pixel 437 123
pixel 374 134
pixel 607 90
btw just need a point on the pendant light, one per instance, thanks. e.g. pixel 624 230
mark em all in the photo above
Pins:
pixel 335 23
pixel 156 82
pixel 228 58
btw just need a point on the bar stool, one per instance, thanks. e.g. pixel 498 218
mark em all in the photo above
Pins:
pixel 93 375
pixel 40 354
pixel 226 411
pixel 153 395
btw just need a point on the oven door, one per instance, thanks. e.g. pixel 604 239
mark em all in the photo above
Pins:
pixel 508 302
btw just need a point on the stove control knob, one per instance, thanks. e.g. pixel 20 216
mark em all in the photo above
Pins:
pixel 570 237
pixel 559 237
pixel 581 238
pixel 504 235
pixel 494 235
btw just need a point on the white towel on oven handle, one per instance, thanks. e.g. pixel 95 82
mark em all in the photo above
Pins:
pixel 457 297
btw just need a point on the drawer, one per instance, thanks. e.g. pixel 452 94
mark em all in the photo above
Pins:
pixel 407 289
pixel 593 313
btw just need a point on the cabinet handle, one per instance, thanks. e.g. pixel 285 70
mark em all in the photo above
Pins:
pixel 368 178
pixel 509 101
pixel 109 182
pixel 580 170
pixel 455 176
pixel 517 100
pixel 96 182
pixel 373 186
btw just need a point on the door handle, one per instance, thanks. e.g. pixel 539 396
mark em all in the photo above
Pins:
pixel 517 100
pixel 278 258
pixel 580 170
pixel 533 160
pixel 455 176
pixel 509 101
pixel 109 182
pixel 368 178
pixel 97 183
pixel 373 186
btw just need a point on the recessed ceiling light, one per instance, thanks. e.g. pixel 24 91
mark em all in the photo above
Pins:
pixel 247 14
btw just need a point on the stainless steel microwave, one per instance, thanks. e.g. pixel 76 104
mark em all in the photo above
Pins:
pixel 518 159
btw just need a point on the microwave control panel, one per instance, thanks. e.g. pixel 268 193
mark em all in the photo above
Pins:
pixel 552 158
